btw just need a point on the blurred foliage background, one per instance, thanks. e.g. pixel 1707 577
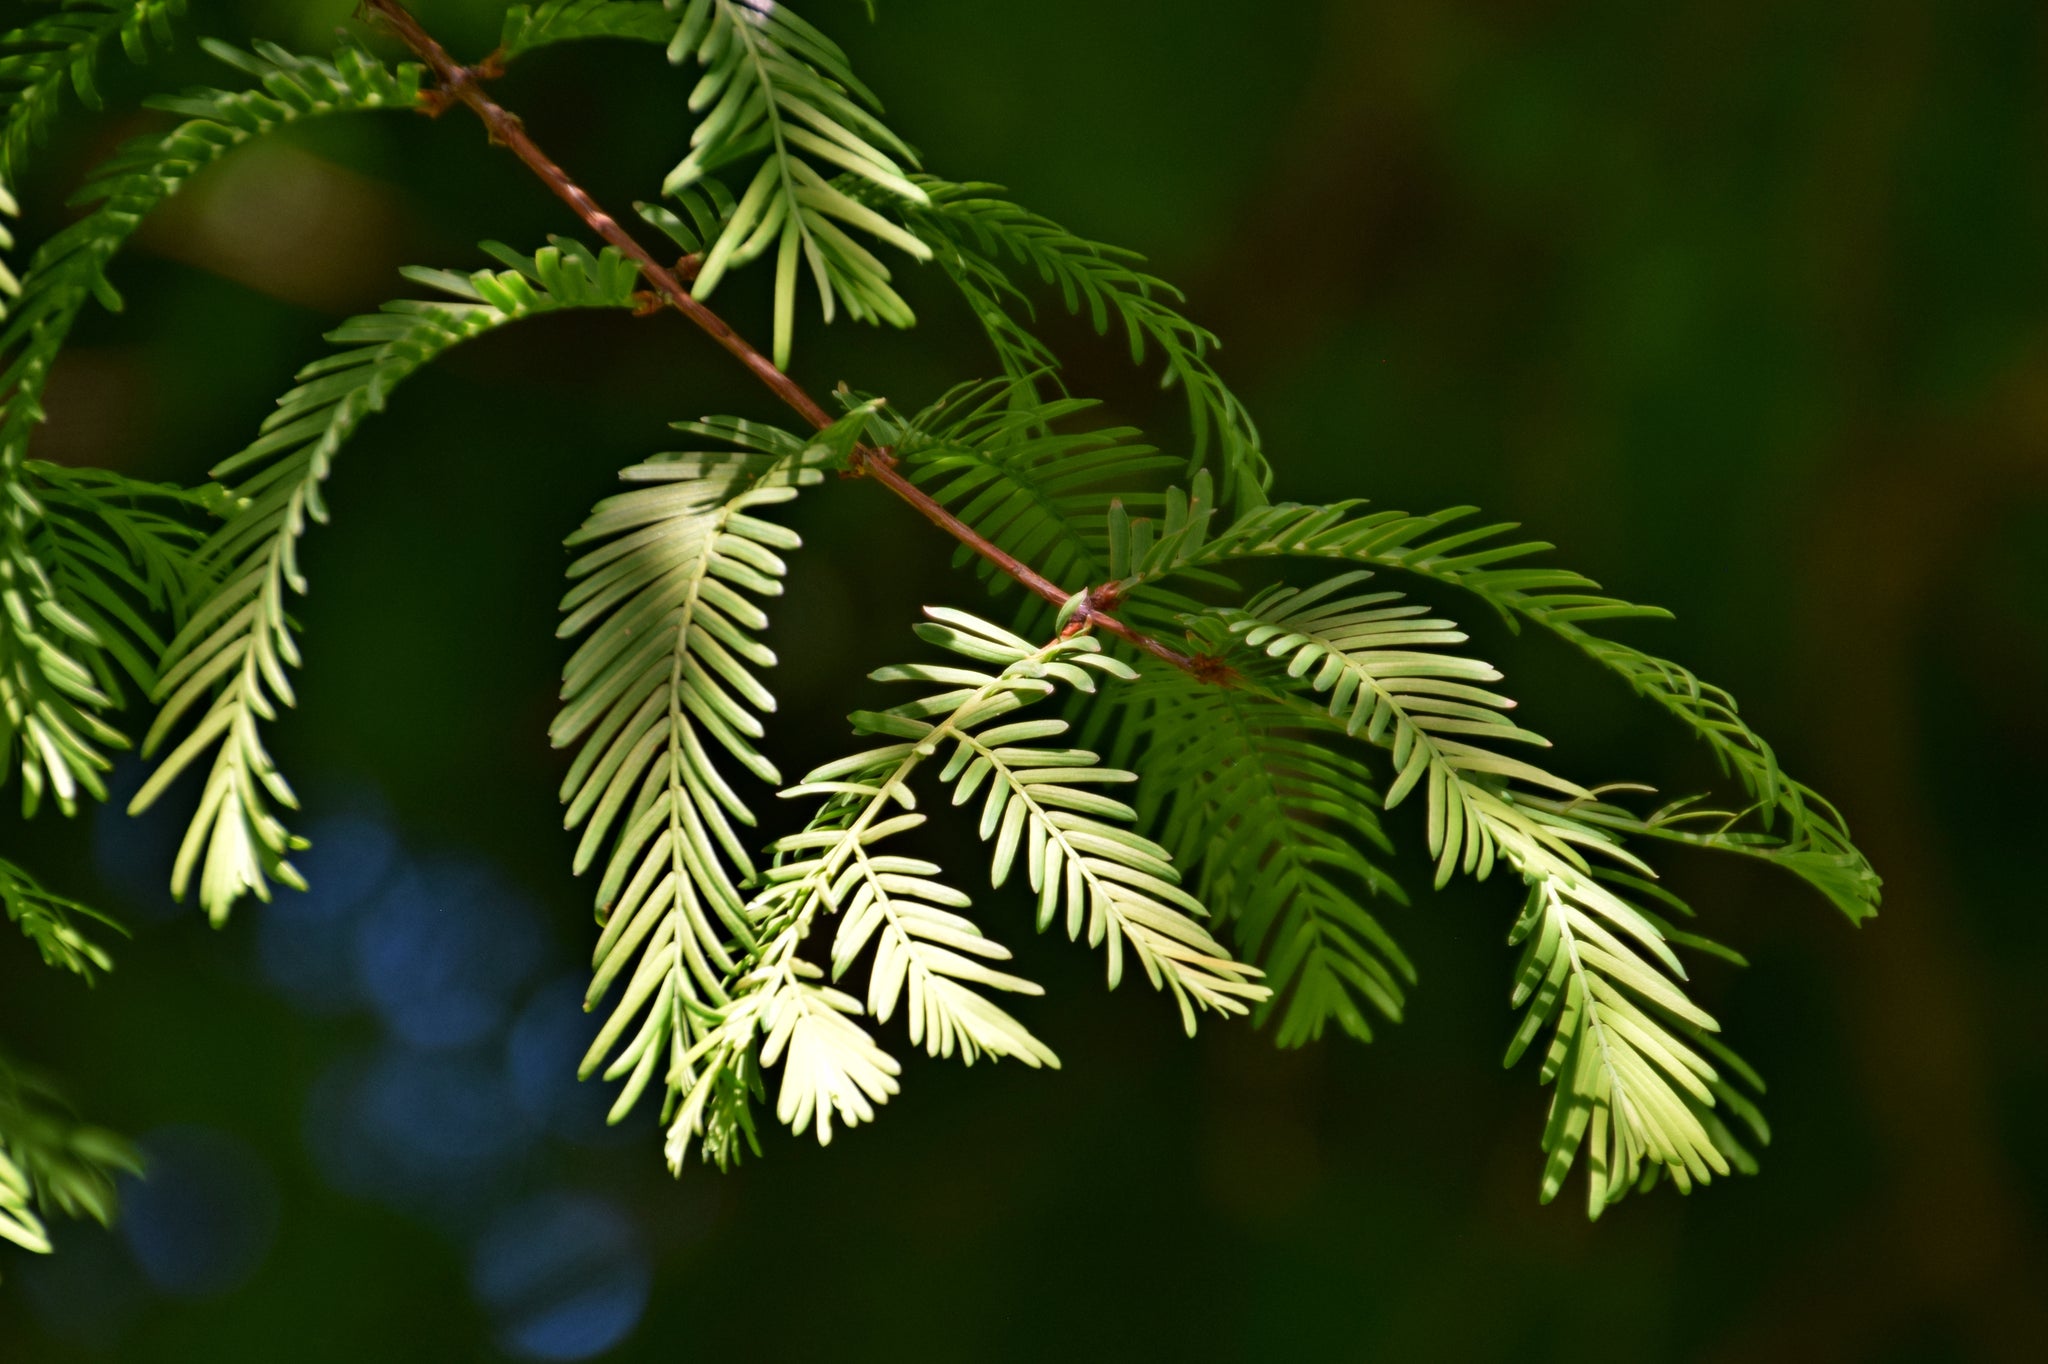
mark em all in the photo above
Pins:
pixel 1744 305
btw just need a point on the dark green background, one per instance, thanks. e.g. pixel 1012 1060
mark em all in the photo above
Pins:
pixel 1743 304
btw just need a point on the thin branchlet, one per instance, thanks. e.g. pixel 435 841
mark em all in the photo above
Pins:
pixel 464 84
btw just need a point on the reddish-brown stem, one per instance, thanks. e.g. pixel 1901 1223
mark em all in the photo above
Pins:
pixel 460 84
pixel 885 473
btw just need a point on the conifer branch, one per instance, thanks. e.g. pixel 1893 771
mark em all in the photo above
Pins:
pixel 1239 748
pixel 463 84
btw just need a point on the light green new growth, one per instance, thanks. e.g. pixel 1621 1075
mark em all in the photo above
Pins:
pixel 664 679
pixel 1259 726
pixel 1559 600
pixel 1628 1084
pixel 53 680
pixel 233 653
pixel 774 86
pixel 1038 810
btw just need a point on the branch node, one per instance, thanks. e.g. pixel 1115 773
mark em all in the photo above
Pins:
pixel 460 84
pixel 866 457
pixel 502 132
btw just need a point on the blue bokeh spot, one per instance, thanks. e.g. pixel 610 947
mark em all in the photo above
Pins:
pixel 202 1222
pixel 443 951
pixel 563 1276
pixel 305 939
pixel 547 1044
pixel 417 1131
